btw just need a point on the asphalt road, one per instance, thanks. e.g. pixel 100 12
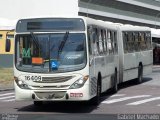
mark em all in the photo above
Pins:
pixel 131 99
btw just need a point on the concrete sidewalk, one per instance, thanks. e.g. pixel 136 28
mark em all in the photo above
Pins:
pixel 7 87
pixel 155 66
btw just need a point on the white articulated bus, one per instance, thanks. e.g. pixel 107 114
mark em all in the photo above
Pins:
pixel 76 58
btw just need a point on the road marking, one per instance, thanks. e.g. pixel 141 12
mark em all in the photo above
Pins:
pixel 7 97
pixel 118 95
pixel 144 101
pixel 124 98
pixel 6 94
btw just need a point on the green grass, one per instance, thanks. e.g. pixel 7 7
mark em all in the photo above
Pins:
pixel 6 75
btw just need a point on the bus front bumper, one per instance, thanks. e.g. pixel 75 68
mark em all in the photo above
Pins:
pixel 80 94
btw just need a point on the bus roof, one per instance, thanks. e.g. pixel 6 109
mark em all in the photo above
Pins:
pixel 134 28
pixel 100 23
pixel 88 21
pixel 103 24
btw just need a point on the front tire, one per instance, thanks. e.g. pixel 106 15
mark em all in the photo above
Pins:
pixel 115 84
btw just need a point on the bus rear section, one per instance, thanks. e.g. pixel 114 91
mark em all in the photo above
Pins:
pixel 136 55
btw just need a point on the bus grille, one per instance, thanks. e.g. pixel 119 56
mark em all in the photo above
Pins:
pixel 50 95
pixel 55 79
pixel 51 87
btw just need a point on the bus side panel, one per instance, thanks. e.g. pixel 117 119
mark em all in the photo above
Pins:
pixel 110 69
pixel 130 66
pixel 147 61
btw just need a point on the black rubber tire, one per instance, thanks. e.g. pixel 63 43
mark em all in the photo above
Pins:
pixel 140 74
pixel 115 84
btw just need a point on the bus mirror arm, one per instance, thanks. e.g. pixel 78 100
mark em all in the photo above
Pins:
pixel 90 61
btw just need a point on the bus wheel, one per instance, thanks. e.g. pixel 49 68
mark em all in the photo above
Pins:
pixel 96 99
pixel 38 103
pixel 115 84
pixel 140 74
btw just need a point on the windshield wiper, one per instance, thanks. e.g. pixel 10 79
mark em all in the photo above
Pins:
pixel 35 40
pixel 62 44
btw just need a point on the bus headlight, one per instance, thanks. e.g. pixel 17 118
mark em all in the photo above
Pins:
pixel 79 83
pixel 21 83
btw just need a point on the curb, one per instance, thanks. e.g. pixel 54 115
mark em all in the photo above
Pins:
pixel 6 89
pixel 156 66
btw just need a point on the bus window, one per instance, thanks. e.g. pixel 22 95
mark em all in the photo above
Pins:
pixel 109 43
pixel 100 41
pixel 139 41
pixel 130 42
pixel 89 32
pixel 104 41
pixel 136 41
pixel 125 37
pixel 148 40
pixel 106 34
pixel 112 42
pixel 95 43
pixel 115 43
pixel 142 41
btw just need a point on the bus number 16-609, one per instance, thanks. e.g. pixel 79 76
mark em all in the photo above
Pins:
pixel 33 78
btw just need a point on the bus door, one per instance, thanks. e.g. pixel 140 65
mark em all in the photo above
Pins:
pixel 92 56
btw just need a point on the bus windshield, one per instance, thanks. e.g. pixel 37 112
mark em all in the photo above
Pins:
pixel 50 52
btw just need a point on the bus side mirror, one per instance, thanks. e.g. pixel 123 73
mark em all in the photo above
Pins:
pixel 8 45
